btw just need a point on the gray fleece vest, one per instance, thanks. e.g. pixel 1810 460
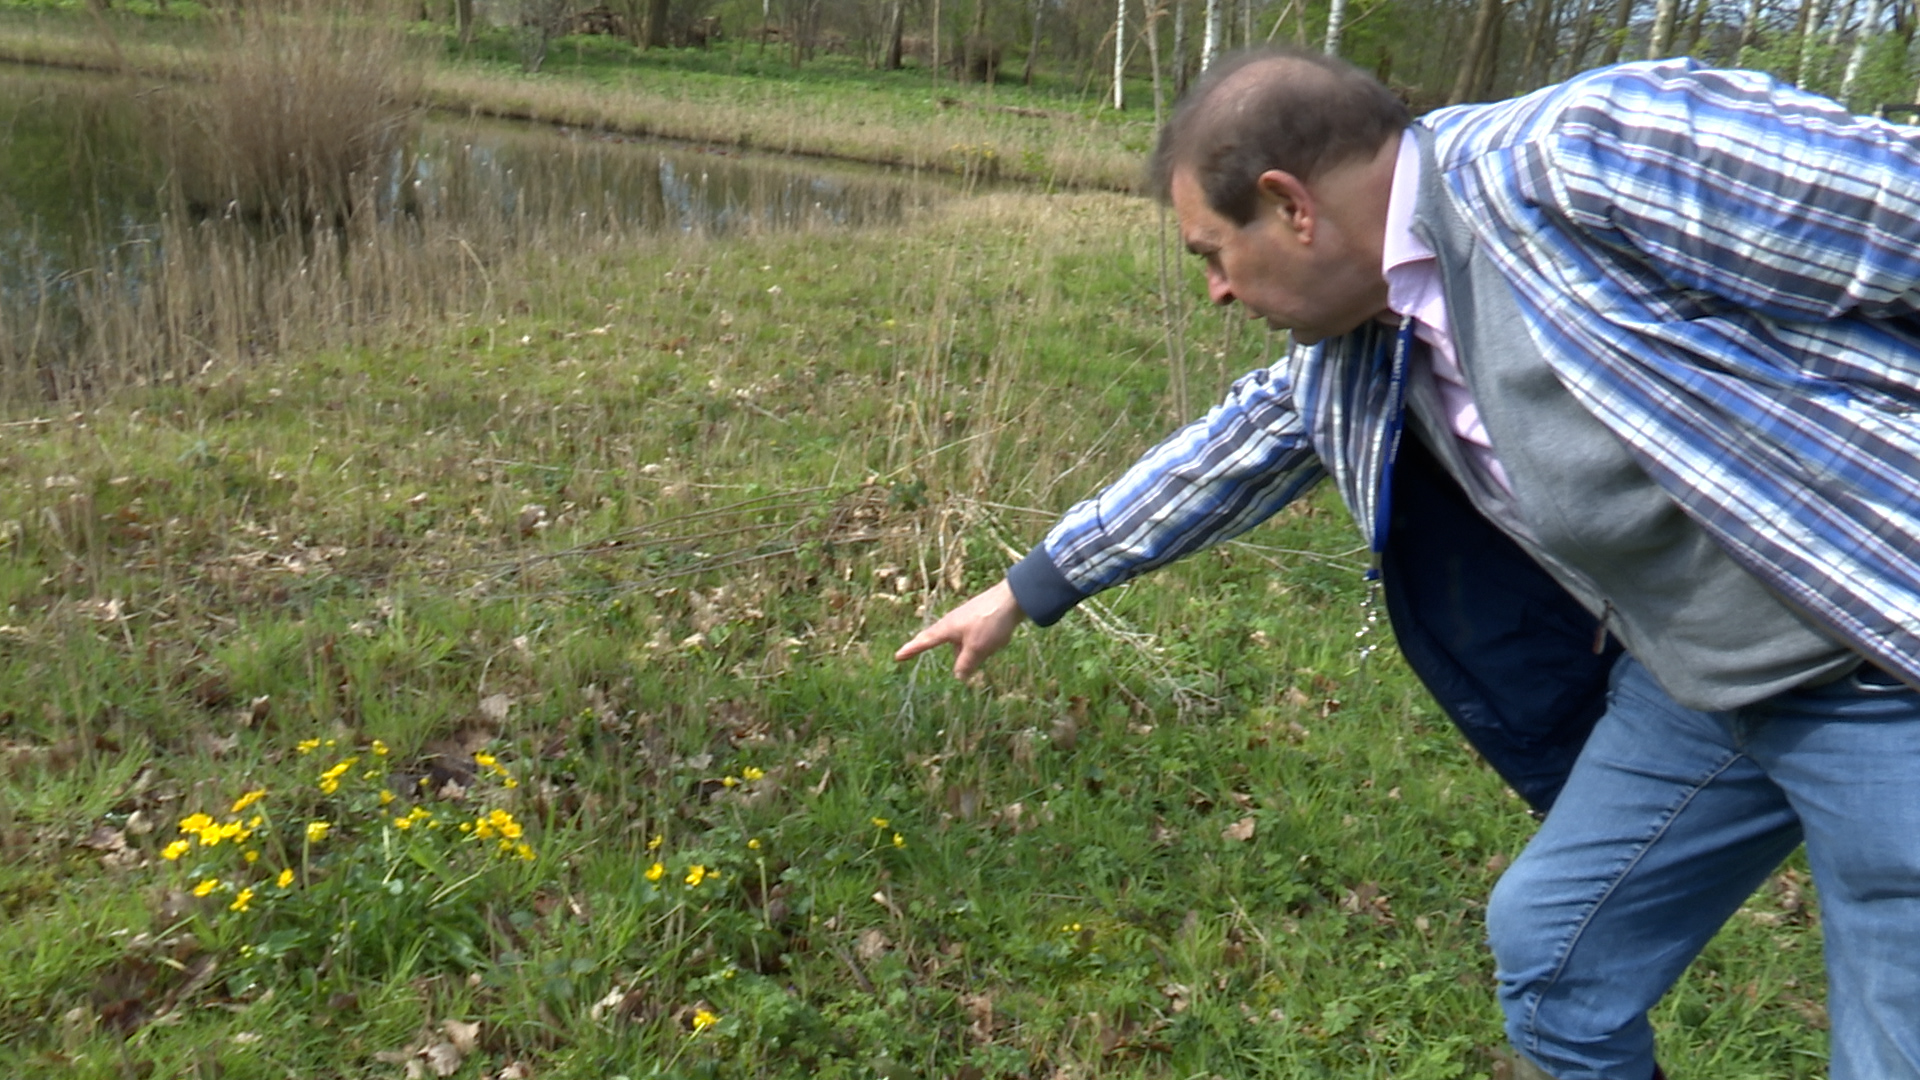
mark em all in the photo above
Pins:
pixel 1712 634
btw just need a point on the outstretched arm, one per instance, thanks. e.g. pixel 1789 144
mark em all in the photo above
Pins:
pixel 978 628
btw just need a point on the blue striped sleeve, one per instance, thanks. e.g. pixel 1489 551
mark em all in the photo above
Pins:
pixel 1212 480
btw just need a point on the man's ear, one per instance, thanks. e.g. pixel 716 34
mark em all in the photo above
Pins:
pixel 1282 193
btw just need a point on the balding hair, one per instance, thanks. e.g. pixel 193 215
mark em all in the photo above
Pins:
pixel 1271 108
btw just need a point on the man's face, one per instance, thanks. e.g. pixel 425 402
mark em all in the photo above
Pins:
pixel 1291 266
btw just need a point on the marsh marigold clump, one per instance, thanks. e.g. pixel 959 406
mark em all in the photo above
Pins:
pixel 283 871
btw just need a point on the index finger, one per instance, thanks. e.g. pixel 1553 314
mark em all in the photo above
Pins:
pixel 918 644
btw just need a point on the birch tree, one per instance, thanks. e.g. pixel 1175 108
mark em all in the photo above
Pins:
pixel 1660 41
pixel 1862 38
pixel 1210 42
pixel 1120 55
pixel 1336 19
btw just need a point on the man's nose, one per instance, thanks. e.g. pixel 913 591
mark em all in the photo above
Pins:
pixel 1217 287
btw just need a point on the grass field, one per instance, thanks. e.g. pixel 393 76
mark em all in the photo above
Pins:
pixel 505 694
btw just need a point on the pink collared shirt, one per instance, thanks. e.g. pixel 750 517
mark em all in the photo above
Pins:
pixel 1413 289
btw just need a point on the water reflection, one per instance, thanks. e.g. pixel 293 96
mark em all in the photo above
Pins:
pixel 543 175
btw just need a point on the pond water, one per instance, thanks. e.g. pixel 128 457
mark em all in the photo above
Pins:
pixel 81 186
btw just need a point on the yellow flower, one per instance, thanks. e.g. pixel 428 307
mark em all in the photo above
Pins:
pixel 696 875
pixel 379 748
pixel 251 857
pixel 654 844
pixel 328 785
pixel 899 841
pixel 194 823
pixel 730 781
pixel 176 849
pixel 213 833
pixel 206 886
pixel 249 799
pixel 525 851
pixel 880 823
pixel 285 879
pixel 317 831
pixel 753 844
pixel 656 871
pixel 704 1019
pixel 241 901
pixel 750 773
pixel 387 797
pixel 485 761
pixel 307 746
pixel 407 823
pixel 483 829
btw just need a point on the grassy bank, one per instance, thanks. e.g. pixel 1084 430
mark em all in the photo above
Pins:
pixel 593 590
pixel 735 95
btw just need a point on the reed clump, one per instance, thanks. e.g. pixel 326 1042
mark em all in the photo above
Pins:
pixel 303 102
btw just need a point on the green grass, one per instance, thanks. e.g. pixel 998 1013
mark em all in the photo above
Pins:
pixel 662 526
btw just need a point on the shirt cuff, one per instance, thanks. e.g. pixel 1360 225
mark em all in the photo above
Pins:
pixel 1042 591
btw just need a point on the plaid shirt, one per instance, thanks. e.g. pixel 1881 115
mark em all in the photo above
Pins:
pixel 1722 269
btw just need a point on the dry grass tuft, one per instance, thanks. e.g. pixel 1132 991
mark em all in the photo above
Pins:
pixel 305 103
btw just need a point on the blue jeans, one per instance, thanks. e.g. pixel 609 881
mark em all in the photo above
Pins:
pixel 1669 821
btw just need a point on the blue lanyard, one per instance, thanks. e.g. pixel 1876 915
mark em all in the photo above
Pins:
pixel 1396 423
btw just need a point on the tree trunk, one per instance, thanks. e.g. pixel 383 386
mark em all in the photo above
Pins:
pixel 896 35
pixel 1153 57
pixel 1696 28
pixel 1486 17
pixel 1750 29
pixel 1485 84
pixel 1617 38
pixel 463 20
pixel 1336 21
pixel 1120 55
pixel 1210 44
pixel 1575 56
pixel 1862 38
pixel 1179 47
pixel 657 11
pixel 1033 47
pixel 1661 39
pixel 1812 14
pixel 1538 46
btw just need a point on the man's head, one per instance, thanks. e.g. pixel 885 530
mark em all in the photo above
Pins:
pixel 1279 164
pixel 1275 108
